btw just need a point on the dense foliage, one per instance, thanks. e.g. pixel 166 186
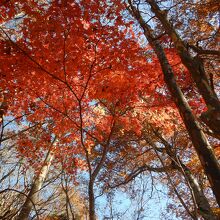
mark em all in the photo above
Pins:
pixel 103 98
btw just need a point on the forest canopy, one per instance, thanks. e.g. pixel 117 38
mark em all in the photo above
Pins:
pixel 109 109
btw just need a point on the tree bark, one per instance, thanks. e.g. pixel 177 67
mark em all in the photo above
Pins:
pixel 36 186
pixel 91 201
pixel 204 150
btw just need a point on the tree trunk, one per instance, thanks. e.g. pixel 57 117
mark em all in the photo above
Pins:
pixel 93 175
pixel 91 201
pixel 36 186
pixel 196 69
pixel 204 150
pixel 201 200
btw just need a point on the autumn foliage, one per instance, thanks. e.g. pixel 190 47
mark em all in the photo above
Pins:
pixel 88 91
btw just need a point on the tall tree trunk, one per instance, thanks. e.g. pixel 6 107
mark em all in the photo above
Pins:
pixel 204 150
pixel 91 201
pixel 36 186
pixel 94 174
pixel 196 68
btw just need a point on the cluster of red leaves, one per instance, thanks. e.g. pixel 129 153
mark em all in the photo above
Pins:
pixel 73 65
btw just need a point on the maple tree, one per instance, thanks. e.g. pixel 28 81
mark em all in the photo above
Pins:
pixel 76 71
